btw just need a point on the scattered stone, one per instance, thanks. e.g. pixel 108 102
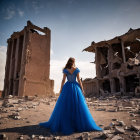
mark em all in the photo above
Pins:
pixel 132 115
pixel 112 110
pixel 56 138
pixel 106 134
pixel 19 109
pixel 5 103
pixel 15 116
pixel 21 137
pixel 107 128
pixel 128 108
pixel 10 105
pixel 116 137
pixel 134 120
pixel 20 101
pixel 112 124
pixel 33 136
pixel 41 137
pixel 126 128
pixel 85 136
pixel 121 123
pixel 114 119
pixel 136 128
pixel 101 109
pixel 30 98
pixel 102 104
pixel 119 130
pixel 9 96
pixel 2 136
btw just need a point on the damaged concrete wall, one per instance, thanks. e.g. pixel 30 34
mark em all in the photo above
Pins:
pixel 117 64
pixel 27 67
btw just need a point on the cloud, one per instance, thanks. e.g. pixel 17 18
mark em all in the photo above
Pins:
pixel 10 13
pixel 37 5
pixel 3 50
pixel 87 70
pixel 20 12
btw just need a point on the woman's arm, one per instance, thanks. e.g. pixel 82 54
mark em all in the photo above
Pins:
pixel 79 80
pixel 62 83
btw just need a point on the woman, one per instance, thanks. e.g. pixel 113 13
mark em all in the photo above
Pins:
pixel 71 113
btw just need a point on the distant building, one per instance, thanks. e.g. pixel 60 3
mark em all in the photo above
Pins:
pixel 117 65
pixel 27 67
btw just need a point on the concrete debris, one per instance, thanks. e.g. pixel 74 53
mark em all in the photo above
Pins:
pixel 101 109
pixel 2 136
pixel 56 138
pixel 41 137
pixel 117 125
pixel 106 134
pixel 33 136
pixel 135 127
pixel 121 123
pixel 21 137
pixel 116 137
pixel 119 130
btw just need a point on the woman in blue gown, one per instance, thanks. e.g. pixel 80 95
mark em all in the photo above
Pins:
pixel 71 113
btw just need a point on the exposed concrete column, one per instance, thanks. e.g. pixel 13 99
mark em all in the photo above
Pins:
pixel 7 68
pixel 123 51
pixel 48 38
pixel 23 62
pixel 98 87
pixel 15 67
pixel 96 61
pixel 122 85
pixel 110 58
pixel 112 85
pixel 11 68
pixel 16 56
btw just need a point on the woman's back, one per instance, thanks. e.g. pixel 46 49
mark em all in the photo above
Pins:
pixel 71 77
pixel 71 113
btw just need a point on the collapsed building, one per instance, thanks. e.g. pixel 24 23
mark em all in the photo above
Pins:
pixel 27 67
pixel 117 65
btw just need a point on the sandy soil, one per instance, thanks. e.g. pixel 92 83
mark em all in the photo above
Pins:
pixel 35 110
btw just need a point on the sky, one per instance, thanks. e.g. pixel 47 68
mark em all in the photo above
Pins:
pixel 74 25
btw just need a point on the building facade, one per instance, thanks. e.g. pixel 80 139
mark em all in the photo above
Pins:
pixel 117 64
pixel 27 67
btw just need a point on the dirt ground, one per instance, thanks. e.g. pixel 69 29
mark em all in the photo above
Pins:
pixel 19 118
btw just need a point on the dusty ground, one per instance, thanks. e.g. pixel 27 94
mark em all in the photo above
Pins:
pixel 19 118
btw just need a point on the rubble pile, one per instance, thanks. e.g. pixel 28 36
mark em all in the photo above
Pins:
pixel 115 128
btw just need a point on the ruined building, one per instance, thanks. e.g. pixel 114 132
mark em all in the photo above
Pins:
pixel 27 67
pixel 117 65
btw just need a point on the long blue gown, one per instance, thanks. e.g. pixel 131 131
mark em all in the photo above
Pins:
pixel 71 113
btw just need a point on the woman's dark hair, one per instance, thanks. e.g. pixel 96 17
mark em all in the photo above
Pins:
pixel 70 62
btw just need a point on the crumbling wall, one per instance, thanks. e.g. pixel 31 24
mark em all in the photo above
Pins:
pixel 28 63
pixel 118 63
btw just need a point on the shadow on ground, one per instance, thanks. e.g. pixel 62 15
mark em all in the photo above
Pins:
pixel 33 130
pixel 29 130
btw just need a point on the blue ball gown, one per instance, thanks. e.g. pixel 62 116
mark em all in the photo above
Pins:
pixel 71 113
